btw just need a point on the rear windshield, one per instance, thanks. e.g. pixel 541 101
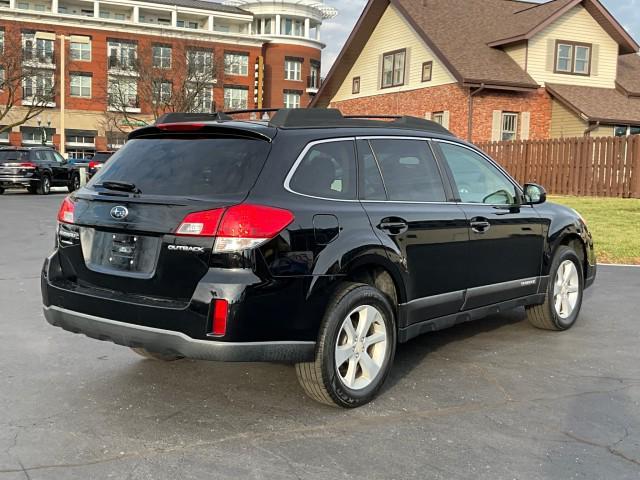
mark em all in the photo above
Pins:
pixel 101 157
pixel 187 166
pixel 13 156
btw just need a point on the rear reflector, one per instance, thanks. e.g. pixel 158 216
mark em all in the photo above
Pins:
pixel 65 214
pixel 220 314
pixel 237 228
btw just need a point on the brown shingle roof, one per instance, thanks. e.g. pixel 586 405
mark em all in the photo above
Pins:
pixel 605 105
pixel 629 73
pixel 461 31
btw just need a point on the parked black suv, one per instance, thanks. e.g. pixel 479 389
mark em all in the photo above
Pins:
pixel 35 168
pixel 311 238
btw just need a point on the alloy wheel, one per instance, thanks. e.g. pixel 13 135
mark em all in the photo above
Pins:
pixel 566 289
pixel 361 347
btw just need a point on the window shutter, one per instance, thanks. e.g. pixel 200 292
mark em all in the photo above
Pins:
pixel 525 125
pixel 496 127
pixel 407 67
pixel 445 119
pixel 595 59
pixel 428 116
pixel 551 55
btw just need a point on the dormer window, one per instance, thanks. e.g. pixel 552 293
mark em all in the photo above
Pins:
pixel 573 58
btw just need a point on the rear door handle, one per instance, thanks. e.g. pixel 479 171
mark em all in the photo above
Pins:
pixel 480 225
pixel 396 227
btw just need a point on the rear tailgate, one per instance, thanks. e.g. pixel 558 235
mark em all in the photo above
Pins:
pixel 126 242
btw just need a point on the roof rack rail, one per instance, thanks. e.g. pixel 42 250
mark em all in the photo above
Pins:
pixel 192 117
pixel 251 110
pixel 306 117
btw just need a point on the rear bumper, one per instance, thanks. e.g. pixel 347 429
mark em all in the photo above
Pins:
pixel 170 342
pixel 6 180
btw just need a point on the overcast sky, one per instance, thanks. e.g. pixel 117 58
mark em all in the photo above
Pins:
pixel 336 31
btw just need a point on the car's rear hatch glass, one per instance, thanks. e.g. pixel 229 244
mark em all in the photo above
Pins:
pixel 173 176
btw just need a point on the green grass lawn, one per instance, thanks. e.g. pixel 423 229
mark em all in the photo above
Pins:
pixel 614 223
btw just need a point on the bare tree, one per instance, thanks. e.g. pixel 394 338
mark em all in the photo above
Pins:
pixel 27 80
pixel 151 85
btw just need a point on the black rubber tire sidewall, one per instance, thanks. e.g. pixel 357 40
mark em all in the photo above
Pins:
pixel 361 295
pixel 563 254
pixel 45 185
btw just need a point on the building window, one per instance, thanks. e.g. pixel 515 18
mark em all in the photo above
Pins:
pixel 123 55
pixel 187 24
pixel 292 69
pixel 200 62
pixel 123 93
pixel 38 50
pixel 438 117
pixel 81 51
pixel 39 87
pixel 292 99
pixel 393 68
pixel 427 71
pixel 236 64
pixel 235 98
pixel 314 76
pixel 80 85
pixel 1 41
pixel 573 58
pixel 626 130
pixel 162 91
pixel 161 56
pixel 203 99
pixel 509 126
pixel 355 86
pixel 4 135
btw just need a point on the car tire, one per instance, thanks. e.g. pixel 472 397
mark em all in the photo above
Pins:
pixel 352 360
pixel 74 184
pixel 564 293
pixel 163 357
pixel 44 187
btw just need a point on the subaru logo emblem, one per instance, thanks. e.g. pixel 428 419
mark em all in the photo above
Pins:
pixel 119 212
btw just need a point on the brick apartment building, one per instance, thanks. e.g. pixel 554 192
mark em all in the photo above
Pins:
pixel 261 54
pixel 492 69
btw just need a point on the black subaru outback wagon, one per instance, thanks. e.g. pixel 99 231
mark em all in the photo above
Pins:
pixel 311 238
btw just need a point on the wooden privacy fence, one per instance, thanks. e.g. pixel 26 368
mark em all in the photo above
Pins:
pixel 602 167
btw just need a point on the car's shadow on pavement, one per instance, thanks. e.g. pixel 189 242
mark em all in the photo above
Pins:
pixel 412 354
pixel 189 386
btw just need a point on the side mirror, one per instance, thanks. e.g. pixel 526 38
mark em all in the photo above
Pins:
pixel 534 194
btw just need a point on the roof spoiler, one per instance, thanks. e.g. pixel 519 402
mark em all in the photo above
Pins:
pixel 193 117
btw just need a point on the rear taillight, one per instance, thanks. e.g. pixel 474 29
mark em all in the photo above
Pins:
pixel 237 228
pixel 65 214
pixel 27 165
pixel 201 224
pixel 219 320
pixel 93 165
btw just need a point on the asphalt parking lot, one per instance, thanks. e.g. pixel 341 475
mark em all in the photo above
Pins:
pixel 495 399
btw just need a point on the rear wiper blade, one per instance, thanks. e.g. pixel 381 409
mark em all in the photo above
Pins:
pixel 121 187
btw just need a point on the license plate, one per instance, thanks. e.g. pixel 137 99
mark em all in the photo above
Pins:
pixel 119 253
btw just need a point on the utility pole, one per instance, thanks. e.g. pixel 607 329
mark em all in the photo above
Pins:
pixel 63 84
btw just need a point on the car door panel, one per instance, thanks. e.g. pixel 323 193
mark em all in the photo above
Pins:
pixel 428 239
pixel 506 239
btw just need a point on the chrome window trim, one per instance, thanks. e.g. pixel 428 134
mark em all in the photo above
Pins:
pixel 296 164
pixel 310 145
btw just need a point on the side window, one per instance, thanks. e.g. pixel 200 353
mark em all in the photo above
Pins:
pixel 328 170
pixel 371 185
pixel 58 158
pixel 409 170
pixel 477 180
pixel 39 156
